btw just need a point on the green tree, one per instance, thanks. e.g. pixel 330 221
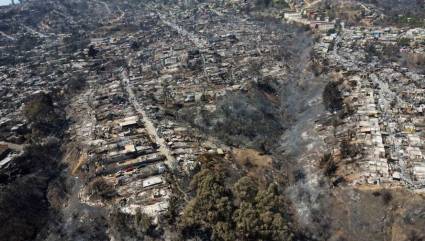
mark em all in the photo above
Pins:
pixel 212 207
pixel 404 42
pixel 220 211
pixel 274 218
pixel 245 189
pixel 247 221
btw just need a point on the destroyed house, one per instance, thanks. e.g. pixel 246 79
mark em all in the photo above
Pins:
pixel 129 122
pixel 130 164
pixel 152 181
pixel 322 26
pixel 4 151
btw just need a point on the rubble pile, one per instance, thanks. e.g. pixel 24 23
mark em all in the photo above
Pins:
pixel 386 101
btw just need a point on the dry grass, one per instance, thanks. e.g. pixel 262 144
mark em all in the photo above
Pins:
pixel 255 163
pixel 395 218
pixel 81 160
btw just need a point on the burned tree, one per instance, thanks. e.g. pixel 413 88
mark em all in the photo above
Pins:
pixel 92 51
pixel 43 116
pixel 332 97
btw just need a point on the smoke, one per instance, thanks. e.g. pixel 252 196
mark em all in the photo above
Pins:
pixel 300 145
pixel 300 97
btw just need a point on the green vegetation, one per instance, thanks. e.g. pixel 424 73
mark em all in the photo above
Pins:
pixel 404 42
pixel 238 212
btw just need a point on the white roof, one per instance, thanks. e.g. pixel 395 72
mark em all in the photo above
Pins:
pixel 129 121
pixel 152 181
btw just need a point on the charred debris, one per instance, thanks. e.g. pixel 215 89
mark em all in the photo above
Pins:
pixel 209 120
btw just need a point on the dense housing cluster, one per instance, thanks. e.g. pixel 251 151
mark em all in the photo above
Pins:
pixel 211 120
pixel 383 88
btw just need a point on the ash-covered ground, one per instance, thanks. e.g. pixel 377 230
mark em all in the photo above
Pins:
pixel 207 120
